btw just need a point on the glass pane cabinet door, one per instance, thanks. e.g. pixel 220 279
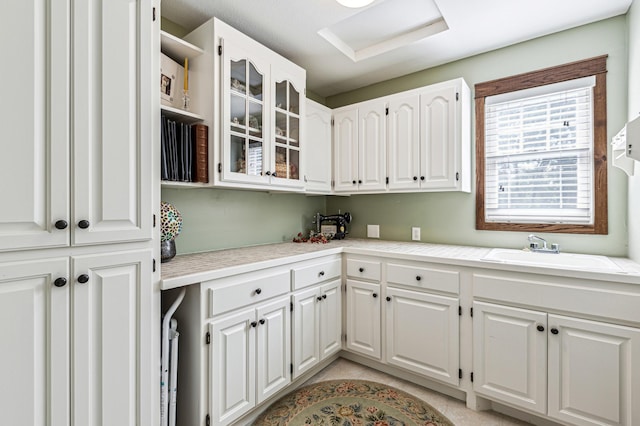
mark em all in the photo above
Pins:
pixel 287 131
pixel 244 137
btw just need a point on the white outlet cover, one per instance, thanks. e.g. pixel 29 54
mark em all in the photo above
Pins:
pixel 373 231
pixel 415 233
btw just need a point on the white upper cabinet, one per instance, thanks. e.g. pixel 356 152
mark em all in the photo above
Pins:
pixel 80 165
pixel 417 140
pixel 345 149
pixel 317 174
pixel 360 147
pixel 255 102
pixel 404 143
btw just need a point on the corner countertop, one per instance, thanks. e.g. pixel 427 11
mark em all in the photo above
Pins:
pixel 194 268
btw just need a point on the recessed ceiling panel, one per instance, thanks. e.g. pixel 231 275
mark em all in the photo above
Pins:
pixel 385 26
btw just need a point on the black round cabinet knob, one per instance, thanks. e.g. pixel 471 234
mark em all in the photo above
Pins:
pixel 268 173
pixel 554 331
pixel 83 224
pixel 60 282
pixel 354 182
pixel 83 279
pixel 418 277
pixel 324 296
pixel 262 321
pixel 415 178
pixel 388 298
pixel 359 181
pixel 361 269
pixel 258 290
pixel 254 324
pixel 319 299
pixel 321 273
pixel 274 174
pixel 375 295
pixel 61 224
pixel 540 328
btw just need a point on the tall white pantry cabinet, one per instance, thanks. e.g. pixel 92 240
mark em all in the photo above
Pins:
pixel 77 237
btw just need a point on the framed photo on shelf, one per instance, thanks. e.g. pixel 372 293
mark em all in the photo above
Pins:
pixel 168 80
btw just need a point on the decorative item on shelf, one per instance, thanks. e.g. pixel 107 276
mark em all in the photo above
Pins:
pixel 237 85
pixel 279 131
pixel 168 73
pixel 185 91
pixel 170 228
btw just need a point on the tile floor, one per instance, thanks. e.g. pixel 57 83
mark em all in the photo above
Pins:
pixel 454 409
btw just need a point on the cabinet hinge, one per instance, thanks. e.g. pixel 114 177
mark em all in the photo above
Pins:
pixel 457 96
pixel 219 167
pixel 460 373
pixel 471 311
pixel 207 338
pixel 333 122
pixel 291 365
pixel 386 111
pixel 154 220
pixel 472 377
pixel 291 306
pixel 459 311
pixel 219 50
pixel 207 420
pixel 154 265
pixel 154 14
pixel 457 175
pixel 387 180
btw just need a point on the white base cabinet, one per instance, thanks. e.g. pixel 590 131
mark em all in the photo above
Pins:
pixel 250 358
pixel 576 371
pixel 317 325
pixel 422 333
pixel 75 342
pixel 363 321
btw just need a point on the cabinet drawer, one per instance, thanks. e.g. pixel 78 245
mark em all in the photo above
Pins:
pixel 316 273
pixel 238 293
pixel 364 269
pixel 423 277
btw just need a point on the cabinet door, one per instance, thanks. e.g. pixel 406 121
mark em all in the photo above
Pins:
pixel 232 378
pixel 111 320
pixel 34 349
pixel 317 158
pixel 423 334
pixel 594 374
pixel 274 347
pixel 245 115
pixel 331 318
pixel 510 355
pixel 372 147
pixel 345 150
pixel 34 117
pixel 287 132
pixel 112 120
pixel 438 138
pixel 306 314
pixel 363 318
pixel 404 143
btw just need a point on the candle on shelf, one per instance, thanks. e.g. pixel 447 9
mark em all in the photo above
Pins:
pixel 186 73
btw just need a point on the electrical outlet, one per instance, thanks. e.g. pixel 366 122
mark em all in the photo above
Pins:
pixel 373 231
pixel 415 233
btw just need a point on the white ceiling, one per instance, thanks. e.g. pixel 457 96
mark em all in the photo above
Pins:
pixel 469 27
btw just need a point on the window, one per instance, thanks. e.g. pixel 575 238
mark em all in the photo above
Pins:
pixel 541 150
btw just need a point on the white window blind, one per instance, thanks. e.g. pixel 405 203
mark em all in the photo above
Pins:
pixel 539 154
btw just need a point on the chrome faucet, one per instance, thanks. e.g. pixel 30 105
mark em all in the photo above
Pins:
pixel 535 246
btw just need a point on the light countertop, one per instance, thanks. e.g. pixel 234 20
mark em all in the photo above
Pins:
pixel 194 268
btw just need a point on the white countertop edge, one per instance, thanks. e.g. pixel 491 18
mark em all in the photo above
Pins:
pixel 632 276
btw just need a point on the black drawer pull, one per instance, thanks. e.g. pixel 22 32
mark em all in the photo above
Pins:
pixel 254 324
pixel 375 295
pixel 83 279
pixel 321 273
pixel 540 328
pixel 361 269
pixel 418 277
pixel 258 290
pixel 324 296
pixel 83 224
pixel 319 299
pixel 262 321
pixel 554 331
pixel 60 282
pixel 61 224
pixel 388 298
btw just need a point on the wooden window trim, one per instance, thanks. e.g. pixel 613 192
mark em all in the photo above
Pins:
pixel 597 67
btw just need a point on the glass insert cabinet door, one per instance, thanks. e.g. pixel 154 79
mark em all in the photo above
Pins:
pixel 245 154
pixel 287 131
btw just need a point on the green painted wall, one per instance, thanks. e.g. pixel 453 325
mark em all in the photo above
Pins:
pixel 223 218
pixel 633 26
pixel 449 218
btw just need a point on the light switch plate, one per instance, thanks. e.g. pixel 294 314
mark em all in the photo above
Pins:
pixel 373 231
pixel 415 233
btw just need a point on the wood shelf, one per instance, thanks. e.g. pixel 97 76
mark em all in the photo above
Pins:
pixel 176 48
pixel 180 114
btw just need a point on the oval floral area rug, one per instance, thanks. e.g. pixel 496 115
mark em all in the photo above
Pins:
pixel 350 403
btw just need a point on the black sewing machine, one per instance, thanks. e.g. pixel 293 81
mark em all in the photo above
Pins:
pixel 333 226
